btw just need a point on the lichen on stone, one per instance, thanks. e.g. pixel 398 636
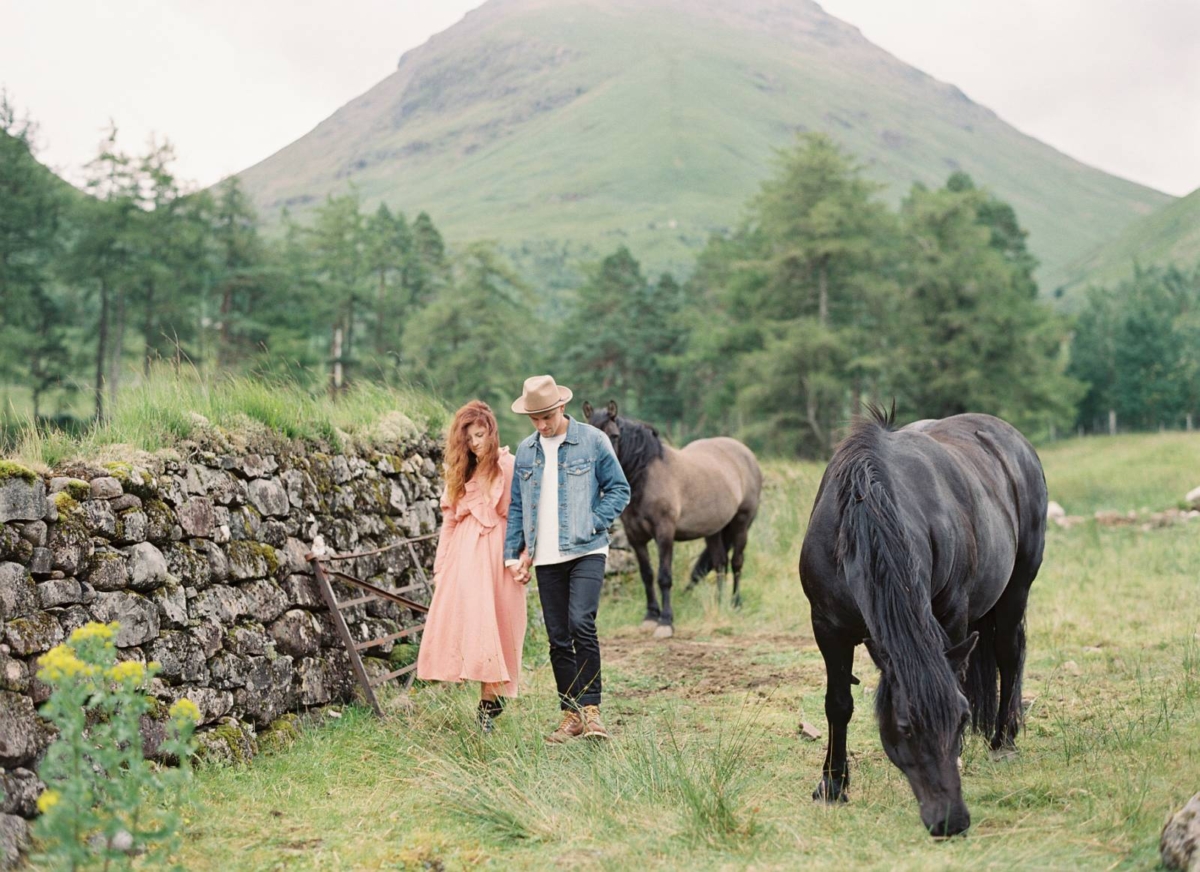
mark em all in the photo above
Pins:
pixel 12 469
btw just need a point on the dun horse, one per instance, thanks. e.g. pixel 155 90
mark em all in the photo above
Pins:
pixel 923 543
pixel 708 490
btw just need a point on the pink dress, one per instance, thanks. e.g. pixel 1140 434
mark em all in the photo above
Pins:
pixel 476 623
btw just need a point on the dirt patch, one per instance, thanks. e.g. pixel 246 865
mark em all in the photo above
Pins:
pixel 692 668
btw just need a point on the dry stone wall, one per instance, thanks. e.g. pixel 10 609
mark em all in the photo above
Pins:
pixel 201 560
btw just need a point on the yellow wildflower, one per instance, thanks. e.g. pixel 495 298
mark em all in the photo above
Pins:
pixel 185 710
pixel 60 662
pixel 47 800
pixel 128 669
pixel 95 630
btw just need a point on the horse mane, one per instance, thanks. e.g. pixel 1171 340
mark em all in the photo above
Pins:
pixel 640 445
pixel 873 546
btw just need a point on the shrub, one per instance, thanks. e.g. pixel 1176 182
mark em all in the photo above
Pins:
pixel 104 802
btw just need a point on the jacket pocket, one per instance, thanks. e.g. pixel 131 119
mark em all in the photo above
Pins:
pixel 581 495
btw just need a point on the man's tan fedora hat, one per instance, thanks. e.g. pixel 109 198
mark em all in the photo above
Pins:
pixel 540 394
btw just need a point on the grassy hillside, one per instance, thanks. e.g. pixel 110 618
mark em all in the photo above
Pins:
pixel 706 769
pixel 599 122
pixel 1168 236
pixel 1151 472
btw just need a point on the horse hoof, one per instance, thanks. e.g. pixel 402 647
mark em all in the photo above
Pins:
pixel 821 794
pixel 664 631
pixel 649 624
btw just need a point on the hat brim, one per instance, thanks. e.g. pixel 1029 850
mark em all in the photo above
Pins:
pixel 564 397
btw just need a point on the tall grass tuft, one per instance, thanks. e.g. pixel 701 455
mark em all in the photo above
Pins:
pixel 171 406
pixel 703 779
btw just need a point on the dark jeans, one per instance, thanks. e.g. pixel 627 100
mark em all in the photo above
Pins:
pixel 570 594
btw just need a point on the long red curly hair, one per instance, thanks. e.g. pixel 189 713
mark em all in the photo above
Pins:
pixel 461 462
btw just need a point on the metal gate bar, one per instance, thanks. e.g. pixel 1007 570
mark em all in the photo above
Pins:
pixel 374 592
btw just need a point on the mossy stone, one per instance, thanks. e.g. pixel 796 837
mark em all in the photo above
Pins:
pixel 281 734
pixel 12 469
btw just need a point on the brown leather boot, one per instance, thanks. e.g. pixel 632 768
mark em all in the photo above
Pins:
pixel 571 727
pixel 593 727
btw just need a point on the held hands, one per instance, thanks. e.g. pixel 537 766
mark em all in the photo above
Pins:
pixel 520 570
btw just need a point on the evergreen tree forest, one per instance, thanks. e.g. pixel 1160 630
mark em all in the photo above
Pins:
pixel 823 297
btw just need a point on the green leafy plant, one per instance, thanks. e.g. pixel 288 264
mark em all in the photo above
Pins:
pixel 106 805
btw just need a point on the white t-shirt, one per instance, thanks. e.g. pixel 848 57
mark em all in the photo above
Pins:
pixel 546 550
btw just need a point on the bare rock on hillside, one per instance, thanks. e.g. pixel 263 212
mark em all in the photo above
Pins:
pixel 22 735
pixel 269 497
pixel 14 838
pixel 147 567
pixel 137 615
pixel 18 593
pixel 19 790
pixel 106 487
pixel 1179 846
pixel 22 498
pixel 33 634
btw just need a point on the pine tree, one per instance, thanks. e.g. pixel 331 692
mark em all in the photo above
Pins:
pixel 478 337
pixel 972 334
pixel 36 311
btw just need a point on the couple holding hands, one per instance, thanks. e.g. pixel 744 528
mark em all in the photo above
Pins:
pixel 549 509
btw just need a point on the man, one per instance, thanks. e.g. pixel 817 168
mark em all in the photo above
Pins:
pixel 567 490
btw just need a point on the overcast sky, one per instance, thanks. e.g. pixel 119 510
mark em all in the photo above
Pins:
pixel 1113 83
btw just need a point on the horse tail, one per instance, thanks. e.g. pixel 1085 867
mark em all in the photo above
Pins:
pixel 980 686
pixel 702 567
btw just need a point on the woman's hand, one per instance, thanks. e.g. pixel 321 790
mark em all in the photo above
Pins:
pixel 521 573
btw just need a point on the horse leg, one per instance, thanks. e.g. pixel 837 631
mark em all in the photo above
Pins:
pixel 650 621
pixel 666 549
pixel 718 556
pixel 839 707
pixel 1010 660
pixel 701 568
pixel 739 532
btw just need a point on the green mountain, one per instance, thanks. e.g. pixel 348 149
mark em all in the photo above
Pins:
pixel 1166 237
pixel 584 124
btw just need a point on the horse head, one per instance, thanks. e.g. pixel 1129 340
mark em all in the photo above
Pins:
pixel 923 737
pixel 606 421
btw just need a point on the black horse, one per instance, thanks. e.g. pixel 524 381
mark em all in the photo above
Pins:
pixel 923 543
pixel 708 490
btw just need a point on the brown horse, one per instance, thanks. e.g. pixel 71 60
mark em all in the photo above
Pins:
pixel 708 490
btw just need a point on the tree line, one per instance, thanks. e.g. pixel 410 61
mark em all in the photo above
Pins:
pixel 822 297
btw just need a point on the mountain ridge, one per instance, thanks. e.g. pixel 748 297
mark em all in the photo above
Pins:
pixel 601 122
pixel 1169 236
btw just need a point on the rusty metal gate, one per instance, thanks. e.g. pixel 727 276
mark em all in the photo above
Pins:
pixel 373 593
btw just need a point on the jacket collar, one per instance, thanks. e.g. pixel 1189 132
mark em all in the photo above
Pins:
pixel 572 436
pixel 573 430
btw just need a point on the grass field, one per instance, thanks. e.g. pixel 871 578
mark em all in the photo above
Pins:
pixel 706 769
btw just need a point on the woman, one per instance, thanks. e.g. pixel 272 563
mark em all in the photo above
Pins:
pixel 476 624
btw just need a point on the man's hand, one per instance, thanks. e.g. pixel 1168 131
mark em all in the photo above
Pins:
pixel 521 571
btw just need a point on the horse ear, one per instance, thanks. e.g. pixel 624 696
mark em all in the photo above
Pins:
pixel 612 408
pixel 959 655
pixel 587 410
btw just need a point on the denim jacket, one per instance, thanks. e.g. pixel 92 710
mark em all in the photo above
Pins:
pixel 592 491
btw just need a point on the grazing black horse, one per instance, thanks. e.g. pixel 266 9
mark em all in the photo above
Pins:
pixel 708 490
pixel 923 543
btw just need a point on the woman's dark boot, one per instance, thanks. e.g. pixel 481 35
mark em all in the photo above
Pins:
pixel 489 710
